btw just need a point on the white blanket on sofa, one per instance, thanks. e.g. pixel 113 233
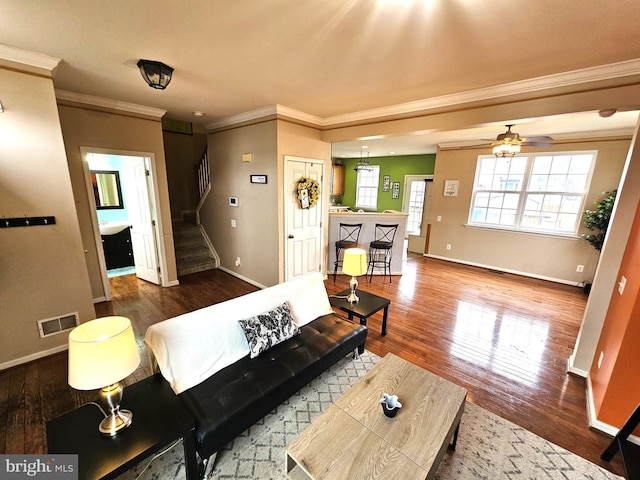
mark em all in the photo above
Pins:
pixel 190 348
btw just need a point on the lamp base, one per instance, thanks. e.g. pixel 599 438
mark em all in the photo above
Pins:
pixel 117 419
pixel 115 422
pixel 353 284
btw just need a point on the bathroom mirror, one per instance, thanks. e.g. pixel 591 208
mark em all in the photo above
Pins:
pixel 106 189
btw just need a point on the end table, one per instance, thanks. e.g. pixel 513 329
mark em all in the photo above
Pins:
pixel 159 418
pixel 367 306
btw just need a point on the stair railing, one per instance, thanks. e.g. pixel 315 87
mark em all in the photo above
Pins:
pixel 204 187
pixel 204 183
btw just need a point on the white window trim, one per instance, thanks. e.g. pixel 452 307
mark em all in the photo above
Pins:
pixel 368 207
pixel 523 195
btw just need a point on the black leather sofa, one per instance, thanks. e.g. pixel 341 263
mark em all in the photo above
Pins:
pixel 233 399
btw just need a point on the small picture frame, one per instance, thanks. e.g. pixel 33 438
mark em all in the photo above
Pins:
pixel 386 183
pixel 258 179
pixel 451 188
pixel 396 190
pixel 233 201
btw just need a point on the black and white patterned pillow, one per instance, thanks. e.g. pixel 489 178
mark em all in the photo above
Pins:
pixel 268 329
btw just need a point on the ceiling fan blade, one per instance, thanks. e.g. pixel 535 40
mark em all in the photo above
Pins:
pixel 536 144
pixel 541 138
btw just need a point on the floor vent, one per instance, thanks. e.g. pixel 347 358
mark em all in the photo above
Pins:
pixel 52 326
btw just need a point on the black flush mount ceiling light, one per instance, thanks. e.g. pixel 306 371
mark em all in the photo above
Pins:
pixel 156 74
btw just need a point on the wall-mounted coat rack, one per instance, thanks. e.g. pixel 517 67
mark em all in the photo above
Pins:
pixel 26 221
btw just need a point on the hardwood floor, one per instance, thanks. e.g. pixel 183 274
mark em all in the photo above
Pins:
pixel 505 338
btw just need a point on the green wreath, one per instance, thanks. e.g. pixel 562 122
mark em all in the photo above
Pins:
pixel 308 192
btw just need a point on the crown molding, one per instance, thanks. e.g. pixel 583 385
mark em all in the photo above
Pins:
pixel 106 103
pixel 28 58
pixel 547 82
pixel 558 80
pixel 276 110
pixel 244 117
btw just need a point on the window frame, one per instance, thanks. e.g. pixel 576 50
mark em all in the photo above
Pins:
pixel 525 192
pixel 376 168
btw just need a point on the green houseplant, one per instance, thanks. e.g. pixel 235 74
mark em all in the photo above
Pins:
pixel 597 220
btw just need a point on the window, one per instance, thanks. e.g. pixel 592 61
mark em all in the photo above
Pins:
pixel 367 187
pixel 537 192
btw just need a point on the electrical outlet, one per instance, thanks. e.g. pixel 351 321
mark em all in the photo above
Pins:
pixel 439 218
pixel 580 268
pixel 237 261
pixel 233 223
pixel 448 246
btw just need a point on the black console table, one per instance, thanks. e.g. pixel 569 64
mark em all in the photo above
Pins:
pixel 159 419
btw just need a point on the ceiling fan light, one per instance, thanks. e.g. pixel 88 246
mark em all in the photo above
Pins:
pixel 156 74
pixel 506 150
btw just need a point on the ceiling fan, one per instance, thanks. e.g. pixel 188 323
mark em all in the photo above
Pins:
pixel 507 144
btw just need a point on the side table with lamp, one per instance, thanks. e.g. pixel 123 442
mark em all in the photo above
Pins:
pixel 361 304
pixel 102 352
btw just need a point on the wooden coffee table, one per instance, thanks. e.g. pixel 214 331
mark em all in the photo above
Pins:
pixel 353 439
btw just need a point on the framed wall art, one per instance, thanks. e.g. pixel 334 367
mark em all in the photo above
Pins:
pixel 396 190
pixel 386 183
pixel 451 188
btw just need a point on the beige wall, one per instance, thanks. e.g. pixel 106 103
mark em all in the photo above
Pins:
pixel 255 237
pixel 83 127
pixel 42 268
pixel 541 256
pixel 300 141
pixel 258 238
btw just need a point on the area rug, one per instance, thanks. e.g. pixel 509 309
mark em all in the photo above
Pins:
pixel 489 447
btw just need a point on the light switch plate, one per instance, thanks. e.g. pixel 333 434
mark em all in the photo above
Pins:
pixel 621 284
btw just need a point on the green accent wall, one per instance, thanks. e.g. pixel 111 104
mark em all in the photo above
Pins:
pixel 396 167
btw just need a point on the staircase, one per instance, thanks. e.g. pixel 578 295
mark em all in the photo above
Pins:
pixel 192 252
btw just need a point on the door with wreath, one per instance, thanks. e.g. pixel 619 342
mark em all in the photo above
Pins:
pixel 303 207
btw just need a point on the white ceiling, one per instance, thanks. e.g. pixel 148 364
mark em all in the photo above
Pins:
pixel 325 58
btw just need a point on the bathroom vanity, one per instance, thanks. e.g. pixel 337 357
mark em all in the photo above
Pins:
pixel 116 242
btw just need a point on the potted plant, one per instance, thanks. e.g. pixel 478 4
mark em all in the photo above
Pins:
pixel 597 221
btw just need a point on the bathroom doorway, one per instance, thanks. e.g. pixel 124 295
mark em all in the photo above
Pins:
pixel 120 188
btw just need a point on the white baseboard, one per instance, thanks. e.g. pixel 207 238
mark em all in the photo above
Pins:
pixel 241 277
pixel 173 283
pixel 591 414
pixel 576 371
pixel 600 425
pixel 100 299
pixel 505 270
pixel 209 243
pixel 33 356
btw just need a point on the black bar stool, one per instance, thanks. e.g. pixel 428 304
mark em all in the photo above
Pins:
pixel 382 245
pixel 349 235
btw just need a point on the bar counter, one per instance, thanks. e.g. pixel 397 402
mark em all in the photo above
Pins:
pixel 368 220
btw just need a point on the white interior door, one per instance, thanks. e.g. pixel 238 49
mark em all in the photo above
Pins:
pixel 416 202
pixel 304 249
pixel 141 218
